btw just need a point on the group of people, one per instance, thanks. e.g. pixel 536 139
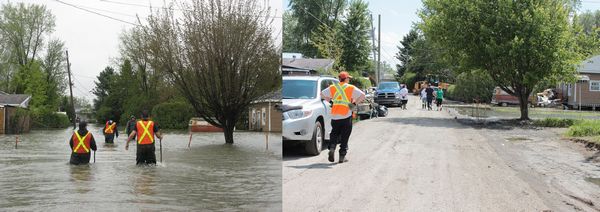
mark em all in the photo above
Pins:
pixel 144 131
pixel 429 93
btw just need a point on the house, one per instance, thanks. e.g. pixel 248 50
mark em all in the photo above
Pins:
pixel 586 91
pixel 10 120
pixel 263 114
pixel 306 66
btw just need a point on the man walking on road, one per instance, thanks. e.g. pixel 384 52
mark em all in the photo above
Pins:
pixel 110 132
pixel 429 92
pixel 144 130
pixel 81 142
pixel 343 95
pixel 404 96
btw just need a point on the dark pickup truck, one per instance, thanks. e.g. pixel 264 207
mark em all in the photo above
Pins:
pixel 388 93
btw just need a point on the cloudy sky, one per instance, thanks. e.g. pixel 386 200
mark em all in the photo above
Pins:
pixel 93 40
pixel 397 17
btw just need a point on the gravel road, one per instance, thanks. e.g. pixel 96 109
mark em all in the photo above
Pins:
pixel 416 160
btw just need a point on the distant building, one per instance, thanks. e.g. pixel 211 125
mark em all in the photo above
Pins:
pixel 306 66
pixel 586 91
pixel 263 114
pixel 10 120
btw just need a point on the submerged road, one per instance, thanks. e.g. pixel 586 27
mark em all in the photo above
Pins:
pixel 417 160
pixel 210 175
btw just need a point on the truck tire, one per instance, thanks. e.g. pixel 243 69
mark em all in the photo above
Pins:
pixel 504 104
pixel 315 145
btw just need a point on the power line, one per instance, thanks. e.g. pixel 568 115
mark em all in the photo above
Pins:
pixel 97 13
pixel 164 8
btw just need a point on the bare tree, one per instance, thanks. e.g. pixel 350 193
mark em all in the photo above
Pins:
pixel 220 54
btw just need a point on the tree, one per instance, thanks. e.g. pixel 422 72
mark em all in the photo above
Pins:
pixel 405 51
pixel 293 41
pixel 329 43
pixel 108 102
pixel 219 54
pixel 356 46
pixel 518 43
pixel 311 14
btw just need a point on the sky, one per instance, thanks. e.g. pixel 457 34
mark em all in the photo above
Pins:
pixel 93 40
pixel 397 18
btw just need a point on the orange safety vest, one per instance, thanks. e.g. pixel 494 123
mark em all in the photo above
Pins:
pixel 81 144
pixel 110 129
pixel 145 132
pixel 341 100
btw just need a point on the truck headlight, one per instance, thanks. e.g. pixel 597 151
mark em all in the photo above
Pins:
pixel 297 114
pixel 397 94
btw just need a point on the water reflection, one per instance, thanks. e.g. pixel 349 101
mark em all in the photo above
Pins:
pixel 81 176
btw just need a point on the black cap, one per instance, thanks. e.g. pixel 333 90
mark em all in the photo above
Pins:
pixel 145 114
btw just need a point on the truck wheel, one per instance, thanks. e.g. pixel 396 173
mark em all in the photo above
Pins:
pixel 314 146
pixel 504 104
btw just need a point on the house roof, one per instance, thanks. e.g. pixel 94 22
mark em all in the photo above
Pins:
pixel 273 96
pixel 15 100
pixel 308 63
pixel 591 65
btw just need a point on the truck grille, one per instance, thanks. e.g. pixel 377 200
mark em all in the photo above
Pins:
pixel 385 95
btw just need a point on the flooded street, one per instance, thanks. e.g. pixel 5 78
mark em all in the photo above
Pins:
pixel 208 176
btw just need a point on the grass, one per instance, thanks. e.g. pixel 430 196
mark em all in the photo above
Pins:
pixel 554 122
pixel 584 128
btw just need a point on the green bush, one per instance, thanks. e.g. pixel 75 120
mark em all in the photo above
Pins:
pixel 585 128
pixel 50 120
pixel 409 79
pixel 471 85
pixel 173 115
pixel 361 82
pixel 554 122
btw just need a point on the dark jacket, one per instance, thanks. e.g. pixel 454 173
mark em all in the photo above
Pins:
pixel 83 132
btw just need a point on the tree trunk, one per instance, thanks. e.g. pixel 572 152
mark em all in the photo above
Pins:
pixel 524 106
pixel 228 131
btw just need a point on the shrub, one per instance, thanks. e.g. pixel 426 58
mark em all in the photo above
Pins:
pixel 585 128
pixel 173 115
pixel 361 82
pixel 471 85
pixel 50 120
pixel 554 122
pixel 409 79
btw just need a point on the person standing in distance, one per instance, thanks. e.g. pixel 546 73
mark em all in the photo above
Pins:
pixel 342 95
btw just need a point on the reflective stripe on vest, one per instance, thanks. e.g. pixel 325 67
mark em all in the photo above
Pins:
pixel 81 142
pixel 110 128
pixel 340 91
pixel 145 132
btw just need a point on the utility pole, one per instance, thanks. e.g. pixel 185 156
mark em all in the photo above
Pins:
pixel 378 50
pixel 374 48
pixel 70 87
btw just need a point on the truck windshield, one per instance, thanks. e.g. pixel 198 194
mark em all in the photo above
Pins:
pixel 389 85
pixel 299 89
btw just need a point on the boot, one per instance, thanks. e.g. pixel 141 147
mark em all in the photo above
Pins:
pixel 343 159
pixel 331 157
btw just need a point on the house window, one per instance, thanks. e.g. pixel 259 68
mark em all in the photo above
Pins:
pixel 594 85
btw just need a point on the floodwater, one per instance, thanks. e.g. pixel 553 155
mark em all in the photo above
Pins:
pixel 210 175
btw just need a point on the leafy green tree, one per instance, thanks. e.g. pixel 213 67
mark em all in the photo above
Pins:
pixel 518 43
pixel 108 102
pixel 293 41
pixel 328 42
pixel 311 14
pixel 405 51
pixel 356 45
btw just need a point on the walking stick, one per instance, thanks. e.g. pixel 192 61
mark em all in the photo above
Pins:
pixel 94 156
pixel 160 143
